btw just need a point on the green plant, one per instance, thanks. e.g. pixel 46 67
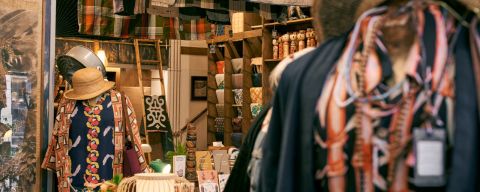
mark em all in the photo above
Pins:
pixel 180 149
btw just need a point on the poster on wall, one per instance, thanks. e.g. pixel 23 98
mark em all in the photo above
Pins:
pixel 21 56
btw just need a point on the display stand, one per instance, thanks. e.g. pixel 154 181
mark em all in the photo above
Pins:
pixel 244 45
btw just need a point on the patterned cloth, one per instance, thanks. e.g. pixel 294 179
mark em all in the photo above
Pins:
pixel 96 17
pixel 285 2
pixel 369 142
pixel 57 157
pixel 91 135
pixel 152 26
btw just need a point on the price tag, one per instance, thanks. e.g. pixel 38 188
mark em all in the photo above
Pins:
pixel 212 49
pixel 430 151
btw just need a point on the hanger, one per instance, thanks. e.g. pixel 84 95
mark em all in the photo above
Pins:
pixel 452 11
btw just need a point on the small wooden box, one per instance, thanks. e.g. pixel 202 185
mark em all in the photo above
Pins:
pixel 242 21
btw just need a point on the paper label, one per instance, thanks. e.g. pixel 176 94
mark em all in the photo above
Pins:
pixel 430 158
pixel 179 165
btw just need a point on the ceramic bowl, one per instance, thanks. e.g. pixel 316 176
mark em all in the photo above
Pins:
pixel 238 111
pixel 237 81
pixel 191 164
pixel 256 108
pixel 220 110
pixel 220 96
pixel 220 79
pixel 257 80
pixel 237 65
pixel 220 67
pixel 237 124
pixel 192 132
pixel 238 96
pixel 256 94
pixel 191 137
pixel 191 144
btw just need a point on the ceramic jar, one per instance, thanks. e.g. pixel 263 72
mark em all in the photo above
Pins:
pixel 237 65
pixel 155 182
pixel 256 108
pixel 237 81
pixel 220 96
pixel 256 94
pixel 220 67
pixel 257 80
pixel 238 96
pixel 220 79
pixel 238 111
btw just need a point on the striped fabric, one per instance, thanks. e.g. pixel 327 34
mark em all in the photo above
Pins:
pixel 285 2
pixel 206 4
pixel 96 17
pixel 140 6
pixel 195 29
pixel 152 26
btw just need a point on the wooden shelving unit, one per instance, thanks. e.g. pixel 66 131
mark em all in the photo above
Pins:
pixel 267 49
pixel 246 45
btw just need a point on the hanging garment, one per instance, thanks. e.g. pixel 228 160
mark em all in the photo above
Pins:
pixel 288 150
pixel 289 167
pixel 376 135
pixel 466 138
pixel 308 3
pixel 105 22
pixel 57 157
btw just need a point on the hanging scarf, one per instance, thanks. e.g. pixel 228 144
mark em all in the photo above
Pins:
pixel 357 84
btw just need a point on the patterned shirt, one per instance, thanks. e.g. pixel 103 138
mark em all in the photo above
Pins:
pixel 58 157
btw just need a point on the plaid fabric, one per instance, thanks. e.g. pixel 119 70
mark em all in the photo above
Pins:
pixel 285 2
pixel 237 5
pixel 96 17
pixel 194 29
pixel 152 27
pixel 140 6
pixel 218 17
pixel 205 4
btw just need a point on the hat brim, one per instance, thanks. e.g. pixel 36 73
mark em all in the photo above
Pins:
pixel 76 95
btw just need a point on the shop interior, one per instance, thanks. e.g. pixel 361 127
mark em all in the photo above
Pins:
pixel 239 95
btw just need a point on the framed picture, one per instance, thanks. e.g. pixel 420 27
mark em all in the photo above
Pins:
pixel 199 88
pixel 23 115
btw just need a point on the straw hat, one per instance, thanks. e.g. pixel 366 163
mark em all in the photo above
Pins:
pixel 88 83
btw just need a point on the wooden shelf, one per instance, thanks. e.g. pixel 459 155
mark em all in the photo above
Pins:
pixel 273 60
pixel 237 36
pixel 291 22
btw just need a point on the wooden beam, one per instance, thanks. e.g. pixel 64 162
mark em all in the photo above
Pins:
pixel 193 51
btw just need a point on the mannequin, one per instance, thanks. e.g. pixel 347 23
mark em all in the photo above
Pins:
pixel 86 148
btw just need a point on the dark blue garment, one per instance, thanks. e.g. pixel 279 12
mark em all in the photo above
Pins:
pixel 78 137
pixel 465 176
pixel 288 159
